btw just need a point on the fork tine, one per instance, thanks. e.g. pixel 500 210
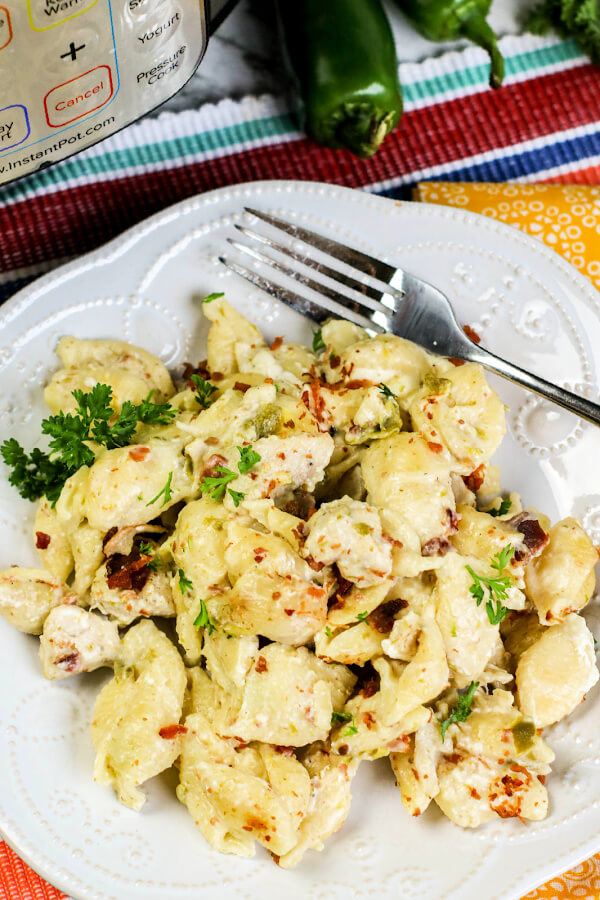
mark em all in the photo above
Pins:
pixel 316 311
pixel 362 261
pixel 342 302
pixel 335 274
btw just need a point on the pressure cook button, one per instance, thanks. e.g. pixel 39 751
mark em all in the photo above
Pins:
pixel 44 14
pixel 78 97
pixel 14 126
pixel 5 28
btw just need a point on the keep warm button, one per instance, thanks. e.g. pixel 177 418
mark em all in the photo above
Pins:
pixel 78 97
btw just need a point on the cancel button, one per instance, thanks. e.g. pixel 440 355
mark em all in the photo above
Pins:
pixel 78 97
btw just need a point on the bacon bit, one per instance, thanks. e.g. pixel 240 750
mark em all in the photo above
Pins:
pixel 289 612
pixel 42 540
pixel 475 479
pixel 343 750
pixel 281 455
pixel 255 823
pixel 456 362
pixel 382 618
pixel 286 751
pixel 259 554
pixel 314 401
pixel 209 468
pixel 261 665
pixel 344 586
pixel 127 573
pixel 534 536
pixel 370 682
pixel 201 369
pixel 435 448
pixel 437 546
pixel 276 595
pixel 315 566
pixel 471 333
pixel 170 732
pixel 137 454
pixel 334 361
pixel 289 424
pixel 241 386
pixel 217 376
pixel 392 541
pixel 109 534
pixel 474 793
pixel 453 520
pixel 71 662
pixel 429 415
pixel 369 719
pixel 454 758
pixel 542 779
pixel 276 343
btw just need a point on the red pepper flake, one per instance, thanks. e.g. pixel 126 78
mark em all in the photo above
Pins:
pixel 70 662
pixel 269 381
pixel 475 479
pixel 42 540
pixel 289 424
pixel 435 448
pixel 276 343
pixel 261 665
pixel 259 554
pixel 137 454
pixel 471 333
pixel 241 386
pixel 170 732
pixel 289 612
pixel 315 592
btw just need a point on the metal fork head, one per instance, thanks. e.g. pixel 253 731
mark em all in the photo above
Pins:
pixel 348 284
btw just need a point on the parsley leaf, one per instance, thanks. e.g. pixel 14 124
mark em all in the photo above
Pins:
pixel 204 390
pixel 185 584
pixel 203 619
pixel 215 485
pixel 351 729
pixel 166 491
pixel 42 473
pixel 495 588
pixel 148 549
pixel 236 496
pixel 340 717
pixel 212 297
pixel 504 507
pixel 462 710
pixel 362 616
pixel 248 458
pixel 154 413
pixel 328 631
pixel 34 474
pixel 318 344
pixel 386 391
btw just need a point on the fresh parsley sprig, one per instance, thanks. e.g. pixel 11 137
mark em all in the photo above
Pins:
pixel 318 344
pixel 387 392
pixel 204 391
pixel 40 473
pixel 165 492
pixel 462 710
pixel 216 485
pixel 212 297
pixel 185 584
pixel 504 507
pixel 203 619
pixel 338 718
pixel 148 549
pixel 495 588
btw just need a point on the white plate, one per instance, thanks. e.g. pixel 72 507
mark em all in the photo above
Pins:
pixel 528 304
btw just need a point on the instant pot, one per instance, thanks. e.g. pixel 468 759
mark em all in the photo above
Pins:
pixel 72 72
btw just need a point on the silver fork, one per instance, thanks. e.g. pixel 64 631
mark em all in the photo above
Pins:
pixel 381 298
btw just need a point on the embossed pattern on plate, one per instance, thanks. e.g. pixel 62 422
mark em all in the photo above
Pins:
pixel 529 305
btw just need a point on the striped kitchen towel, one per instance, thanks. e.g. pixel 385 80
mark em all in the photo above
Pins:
pixel 543 125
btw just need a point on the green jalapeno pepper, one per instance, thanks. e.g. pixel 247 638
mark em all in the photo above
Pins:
pixel 343 57
pixel 449 20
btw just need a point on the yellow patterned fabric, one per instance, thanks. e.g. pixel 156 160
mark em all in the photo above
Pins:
pixel 566 217
pixel 580 883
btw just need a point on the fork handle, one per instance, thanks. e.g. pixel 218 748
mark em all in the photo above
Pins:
pixel 586 409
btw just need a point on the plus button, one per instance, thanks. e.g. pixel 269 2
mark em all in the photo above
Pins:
pixel 72 51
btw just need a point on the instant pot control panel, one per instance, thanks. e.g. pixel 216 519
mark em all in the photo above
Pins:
pixel 72 72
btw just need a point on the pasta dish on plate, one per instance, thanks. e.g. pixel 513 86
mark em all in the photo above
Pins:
pixel 296 561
